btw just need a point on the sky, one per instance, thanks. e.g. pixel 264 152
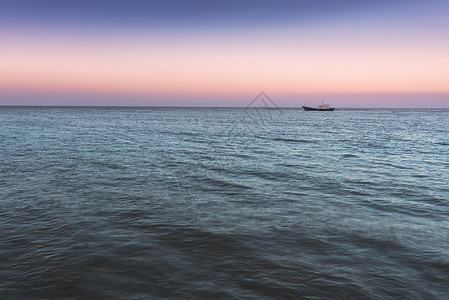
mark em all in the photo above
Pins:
pixel 350 53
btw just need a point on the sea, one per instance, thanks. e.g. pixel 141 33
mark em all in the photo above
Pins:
pixel 223 203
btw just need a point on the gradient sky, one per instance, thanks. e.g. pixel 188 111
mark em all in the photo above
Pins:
pixel 171 52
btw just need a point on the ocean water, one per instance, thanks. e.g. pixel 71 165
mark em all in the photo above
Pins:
pixel 223 203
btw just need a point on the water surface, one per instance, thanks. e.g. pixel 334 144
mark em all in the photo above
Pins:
pixel 223 203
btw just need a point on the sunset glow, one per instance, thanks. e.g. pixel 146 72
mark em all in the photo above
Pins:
pixel 340 56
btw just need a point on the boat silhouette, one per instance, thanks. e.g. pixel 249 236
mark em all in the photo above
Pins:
pixel 322 107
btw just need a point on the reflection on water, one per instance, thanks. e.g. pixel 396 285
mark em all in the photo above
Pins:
pixel 141 203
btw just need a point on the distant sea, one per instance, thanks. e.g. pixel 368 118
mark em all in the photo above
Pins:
pixel 223 203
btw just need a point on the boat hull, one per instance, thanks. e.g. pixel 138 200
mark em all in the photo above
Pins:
pixel 307 108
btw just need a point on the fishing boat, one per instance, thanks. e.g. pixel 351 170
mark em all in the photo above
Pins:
pixel 322 107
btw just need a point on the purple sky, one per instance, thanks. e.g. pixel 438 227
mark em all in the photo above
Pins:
pixel 349 53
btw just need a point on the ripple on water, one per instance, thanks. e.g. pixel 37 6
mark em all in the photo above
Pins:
pixel 206 203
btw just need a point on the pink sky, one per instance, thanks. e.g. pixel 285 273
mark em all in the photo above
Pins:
pixel 291 63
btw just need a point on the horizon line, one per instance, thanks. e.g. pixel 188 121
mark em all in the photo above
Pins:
pixel 202 106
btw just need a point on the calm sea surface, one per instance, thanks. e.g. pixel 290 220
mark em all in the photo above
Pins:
pixel 173 203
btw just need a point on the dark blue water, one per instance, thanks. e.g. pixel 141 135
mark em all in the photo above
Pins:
pixel 172 203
